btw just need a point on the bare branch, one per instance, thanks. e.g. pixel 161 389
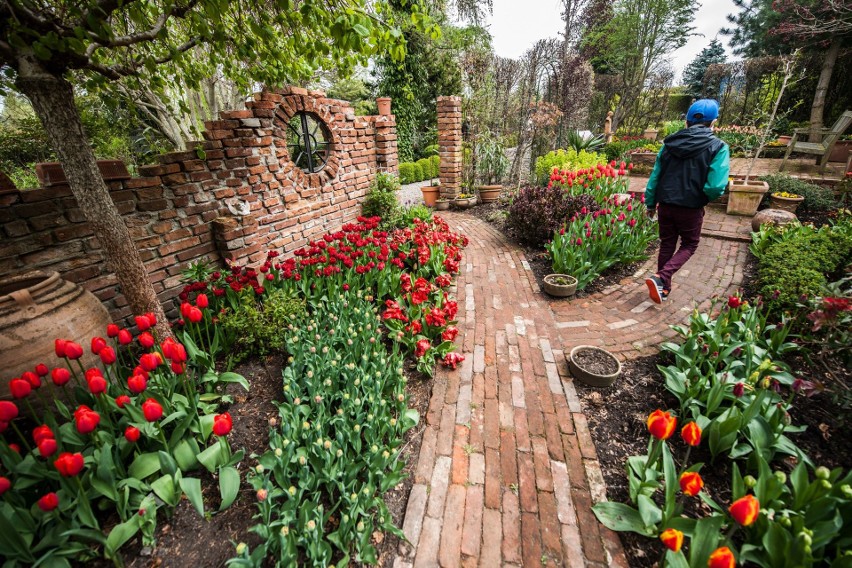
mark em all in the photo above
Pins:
pixel 131 39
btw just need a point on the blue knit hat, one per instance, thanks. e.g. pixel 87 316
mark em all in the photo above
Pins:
pixel 703 110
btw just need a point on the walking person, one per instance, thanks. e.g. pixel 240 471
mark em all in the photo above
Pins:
pixel 691 170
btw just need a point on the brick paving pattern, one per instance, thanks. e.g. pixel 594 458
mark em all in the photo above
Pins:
pixel 507 472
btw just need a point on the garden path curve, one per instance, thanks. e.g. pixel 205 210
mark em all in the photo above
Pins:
pixel 507 471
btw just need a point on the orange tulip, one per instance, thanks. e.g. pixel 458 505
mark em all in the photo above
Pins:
pixel 745 510
pixel 691 434
pixel 691 483
pixel 722 558
pixel 672 539
pixel 661 424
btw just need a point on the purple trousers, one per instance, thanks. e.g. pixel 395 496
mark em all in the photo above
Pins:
pixel 676 222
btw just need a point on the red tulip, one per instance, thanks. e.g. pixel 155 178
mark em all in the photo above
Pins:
pixel 672 539
pixel 722 558
pixel 143 323
pixel 60 376
pixel 738 390
pixel 42 432
pixel 152 410
pixel 691 483
pixel 5 485
pixel 661 424
pixel 73 350
pixel 146 340
pixel 49 502
pixel 152 319
pixel 42 370
pixel 734 302
pixel 97 384
pixel 59 347
pixel 8 411
pixel 222 424
pixel 107 355
pixel 122 400
pixel 98 343
pixel 131 434
pixel 195 315
pixel 421 347
pixel 125 337
pixel 69 464
pixel 150 361
pixel 184 309
pixel 86 419
pixel 137 384
pixel 112 330
pixel 20 388
pixel 201 301
pixel 93 372
pixel 15 448
pixel 178 368
pixel 745 510
pixel 32 378
pixel 47 447
pixel 691 434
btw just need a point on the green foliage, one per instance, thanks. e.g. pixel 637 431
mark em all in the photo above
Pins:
pixel 259 329
pixel 381 199
pixel 693 75
pixel 418 173
pixel 435 161
pixel 578 143
pixel 672 126
pixel 426 167
pixel 564 160
pixel 409 214
pixel 491 161
pixel 406 173
pixel 816 198
pixel 619 147
pixel 798 263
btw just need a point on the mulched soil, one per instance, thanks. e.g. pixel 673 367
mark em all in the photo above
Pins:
pixel 186 539
pixel 595 362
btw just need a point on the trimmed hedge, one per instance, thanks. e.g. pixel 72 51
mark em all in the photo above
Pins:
pixel 421 170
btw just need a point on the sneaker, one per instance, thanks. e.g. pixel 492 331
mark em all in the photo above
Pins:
pixel 665 295
pixel 655 289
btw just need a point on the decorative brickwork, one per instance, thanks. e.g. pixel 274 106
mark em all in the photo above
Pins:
pixel 177 211
pixel 450 145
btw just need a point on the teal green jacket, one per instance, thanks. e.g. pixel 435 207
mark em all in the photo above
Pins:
pixel 717 177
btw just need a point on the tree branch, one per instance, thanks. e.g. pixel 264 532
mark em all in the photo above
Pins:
pixel 131 39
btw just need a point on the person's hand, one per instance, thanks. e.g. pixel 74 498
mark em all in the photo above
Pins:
pixel 651 212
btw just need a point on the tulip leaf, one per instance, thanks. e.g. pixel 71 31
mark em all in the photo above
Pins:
pixel 192 487
pixel 104 488
pixel 649 512
pixel 705 538
pixel 412 415
pixel 230 377
pixel 120 534
pixel 621 517
pixel 12 541
pixel 229 486
pixel 184 455
pixel 165 489
pixel 212 457
pixel 167 463
pixel 144 465
pixel 675 560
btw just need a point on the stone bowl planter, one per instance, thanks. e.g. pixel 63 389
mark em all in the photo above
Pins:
pixel 464 202
pixel 593 366
pixel 785 203
pixel 442 204
pixel 559 285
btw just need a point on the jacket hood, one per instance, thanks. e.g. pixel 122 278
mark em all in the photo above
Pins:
pixel 689 141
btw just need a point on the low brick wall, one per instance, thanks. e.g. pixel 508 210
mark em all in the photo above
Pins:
pixel 176 210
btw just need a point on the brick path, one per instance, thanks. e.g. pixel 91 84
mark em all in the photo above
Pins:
pixel 507 471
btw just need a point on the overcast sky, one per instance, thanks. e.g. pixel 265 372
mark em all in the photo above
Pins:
pixel 517 24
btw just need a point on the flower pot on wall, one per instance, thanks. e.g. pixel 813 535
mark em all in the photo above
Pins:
pixel 744 196
pixel 38 307
pixel 51 173
pixel 430 194
pixel 384 104
pixel 489 193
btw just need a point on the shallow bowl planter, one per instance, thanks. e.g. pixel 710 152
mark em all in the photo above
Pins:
pixel 464 202
pixel 559 285
pixel 786 203
pixel 442 204
pixel 593 366
pixel 744 196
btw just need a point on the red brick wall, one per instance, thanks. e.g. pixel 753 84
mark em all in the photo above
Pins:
pixel 176 210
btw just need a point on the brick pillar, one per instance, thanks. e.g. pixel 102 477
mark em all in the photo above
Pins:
pixel 450 145
pixel 386 145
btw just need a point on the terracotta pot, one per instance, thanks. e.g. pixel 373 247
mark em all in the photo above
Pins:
pixel 489 193
pixel 38 307
pixel 785 139
pixel 384 104
pixel 557 290
pixel 51 173
pixel 430 194
pixel 786 203
pixel 840 151
pixel 586 376
pixel 744 196
pixel 442 204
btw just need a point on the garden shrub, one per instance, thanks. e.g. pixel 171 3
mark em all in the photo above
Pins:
pixel 409 214
pixel 564 160
pixel 259 329
pixel 406 173
pixel 431 150
pixel 537 212
pixel 619 146
pixel 436 166
pixel 381 199
pixel 816 198
pixel 417 172
pixel 426 166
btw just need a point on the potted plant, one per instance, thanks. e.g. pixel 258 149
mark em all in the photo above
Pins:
pixel 744 196
pixel 650 133
pixel 431 193
pixel 593 366
pixel 491 166
pixel 559 285
pixel 786 201
pixel 840 152
pixel 464 200
pixel 442 204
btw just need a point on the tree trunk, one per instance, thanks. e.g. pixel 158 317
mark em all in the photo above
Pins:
pixel 818 106
pixel 52 98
